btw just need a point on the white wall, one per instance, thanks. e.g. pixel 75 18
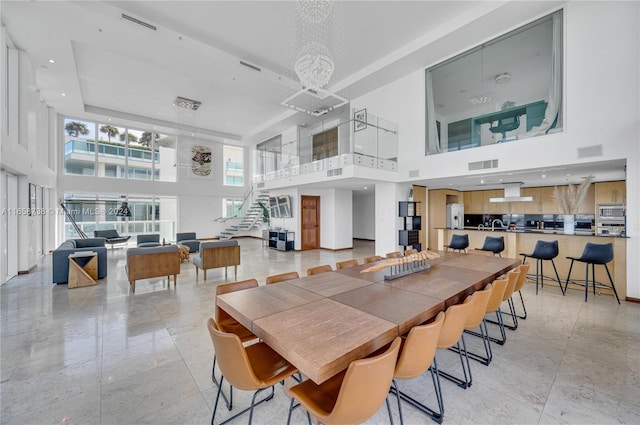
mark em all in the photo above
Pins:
pixel 364 216
pixel 601 42
pixel 26 148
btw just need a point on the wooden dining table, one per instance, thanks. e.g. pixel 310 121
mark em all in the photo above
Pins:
pixel 322 323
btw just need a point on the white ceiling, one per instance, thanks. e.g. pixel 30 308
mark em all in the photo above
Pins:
pixel 109 67
pixel 112 67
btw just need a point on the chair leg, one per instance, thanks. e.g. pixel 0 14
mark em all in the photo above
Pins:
pixel 586 282
pixel 553 263
pixel 436 416
pixel 389 410
pixel 500 324
pixel 227 401
pixel 248 409
pixel 523 306
pixel 568 277
pixel 484 334
pixel 612 285
pixel 466 382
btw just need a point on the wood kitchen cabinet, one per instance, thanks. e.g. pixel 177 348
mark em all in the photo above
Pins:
pixel 611 192
pixel 473 202
pixel 548 204
pixel 534 207
pixel 588 206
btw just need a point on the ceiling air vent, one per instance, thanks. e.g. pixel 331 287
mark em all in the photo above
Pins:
pixel 589 151
pixel 183 102
pixel 260 185
pixel 336 172
pixel 414 173
pixel 139 22
pixel 483 165
pixel 248 65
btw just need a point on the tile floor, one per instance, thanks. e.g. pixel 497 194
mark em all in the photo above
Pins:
pixel 100 355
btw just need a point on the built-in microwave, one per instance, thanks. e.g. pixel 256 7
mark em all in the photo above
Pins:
pixel 611 212
pixel 611 219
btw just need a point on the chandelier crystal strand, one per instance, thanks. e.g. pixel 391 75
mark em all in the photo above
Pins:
pixel 314 11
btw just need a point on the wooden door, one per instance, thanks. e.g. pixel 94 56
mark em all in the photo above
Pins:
pixel 310 222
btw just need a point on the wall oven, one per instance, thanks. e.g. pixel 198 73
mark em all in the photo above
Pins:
pixel 611 219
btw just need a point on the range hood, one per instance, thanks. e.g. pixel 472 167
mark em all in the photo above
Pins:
pixel 512 194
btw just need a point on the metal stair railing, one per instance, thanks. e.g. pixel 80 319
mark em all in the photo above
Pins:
pixel 249 220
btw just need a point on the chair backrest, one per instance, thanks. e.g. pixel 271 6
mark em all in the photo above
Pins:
pixel 365 387
pixel 185 236
pixel 455 318
pixel 282 277
pixel 148 238
pixel 347 263
pixel 419 349
pixel 232 359
pixel 522 279
pixel 499 286
pixel 410 251
pixel 480 299
pixel 373 259
pixel 220 314
pixel 495 245
pixel 108 234
pixel 394 254
pixel 319 269
pixel 512 278
pixel 545 250
pixel 597 253
pixel 459 242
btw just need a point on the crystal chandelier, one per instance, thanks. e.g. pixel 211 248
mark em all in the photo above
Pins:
pixel 314 65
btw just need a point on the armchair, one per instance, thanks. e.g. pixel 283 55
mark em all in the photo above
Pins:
pixel 111 235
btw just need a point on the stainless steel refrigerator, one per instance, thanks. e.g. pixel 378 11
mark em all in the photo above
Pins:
pixel 455 216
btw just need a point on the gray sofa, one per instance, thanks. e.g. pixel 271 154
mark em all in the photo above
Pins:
pixel 188 239
pixel 71 246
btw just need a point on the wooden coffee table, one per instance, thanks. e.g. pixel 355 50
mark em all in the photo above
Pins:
pixel 83 269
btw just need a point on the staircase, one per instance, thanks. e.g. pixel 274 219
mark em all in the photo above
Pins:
pixel 252 217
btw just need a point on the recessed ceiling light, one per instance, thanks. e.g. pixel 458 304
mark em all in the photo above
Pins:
pixel 478 100
pixel 52 61
pixel 544 174
pixel 365 188
pixel 481 180
pixel 63 94
pixel 193 134
pixel 108 119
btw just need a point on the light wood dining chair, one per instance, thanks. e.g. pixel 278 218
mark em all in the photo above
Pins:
pixel 418 354
pixel 394 254
pixel 373 259
pixel 476 320
pixel 512 279
pixel 410 252
pixel 319 269
pixel 253 368
pixel 522 279
pixel 228 324
pixel 455 319
pixel 348 263
pixel 282 277
pixel 493 305
pixel 352 396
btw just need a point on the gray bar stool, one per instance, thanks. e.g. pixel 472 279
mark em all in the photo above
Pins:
pixel 594 254
pixel 544 251
pixel 495 245
pixel 458 242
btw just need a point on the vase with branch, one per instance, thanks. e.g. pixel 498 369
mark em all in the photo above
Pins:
pixel 569 199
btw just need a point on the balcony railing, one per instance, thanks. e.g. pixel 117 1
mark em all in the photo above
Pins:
pixel 372 143
pixel 110 150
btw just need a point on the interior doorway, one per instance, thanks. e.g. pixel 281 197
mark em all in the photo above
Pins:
pixel 310 238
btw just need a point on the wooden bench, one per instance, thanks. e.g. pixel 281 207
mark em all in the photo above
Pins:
pixel 216 254
pixel 145 263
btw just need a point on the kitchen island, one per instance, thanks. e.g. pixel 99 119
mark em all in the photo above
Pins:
pixel 523 241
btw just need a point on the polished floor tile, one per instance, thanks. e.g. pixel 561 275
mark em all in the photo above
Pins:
pixel 101 355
